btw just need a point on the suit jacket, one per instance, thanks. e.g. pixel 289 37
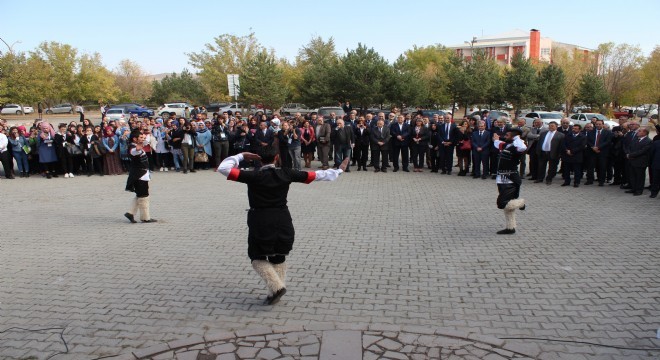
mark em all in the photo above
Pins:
pixel 533 138
pixel 269 137
pixel 525 131
pixel 423 136
pixel 403 130
pixel 556 144
pixel 86 145
pixel 484 141
pixel 451 137
pixel 655 155
pixel 640 151
pixel 377 136
pixel 362 138
pixel 577 145
pixel 605 140
pixel 627 140
pixel 343 136
pixel 566 132
pixel 324 132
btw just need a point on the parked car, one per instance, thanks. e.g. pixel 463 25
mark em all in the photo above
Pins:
pixel 214 107
pixel 326 110
pixel 647 110
pixel 494 114
pixel 60 109
pixel 430 113
pixel 14 109
pixel 117 113
pixel 293 108
pixel 28 110
pixel 546 116
pixel 583 119
pixel 176 108
pixel 135 108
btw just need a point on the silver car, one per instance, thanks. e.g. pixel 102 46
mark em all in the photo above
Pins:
pixel 13 109
pixel 60 109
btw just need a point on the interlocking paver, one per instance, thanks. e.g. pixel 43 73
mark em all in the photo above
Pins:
pixel 382 250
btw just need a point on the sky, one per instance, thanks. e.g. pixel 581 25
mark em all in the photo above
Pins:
pixel 158 35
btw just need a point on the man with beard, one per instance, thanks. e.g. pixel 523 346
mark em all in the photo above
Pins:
pixel 508 178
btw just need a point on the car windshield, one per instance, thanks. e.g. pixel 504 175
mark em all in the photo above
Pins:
pixel 551 116
pixel 114 111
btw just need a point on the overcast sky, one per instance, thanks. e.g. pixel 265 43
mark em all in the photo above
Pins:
pixel 158 34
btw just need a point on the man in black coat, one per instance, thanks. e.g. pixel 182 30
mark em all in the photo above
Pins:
pixel 343 139
pixel 362 141
pixel 447 133
pixel 380 146
pixel 638 157
pixel 575 144
pixel 400 138
pixel 599 144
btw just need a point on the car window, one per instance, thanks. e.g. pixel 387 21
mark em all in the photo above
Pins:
pixel 551 116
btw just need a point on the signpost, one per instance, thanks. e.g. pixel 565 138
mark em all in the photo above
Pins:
pixel 234 87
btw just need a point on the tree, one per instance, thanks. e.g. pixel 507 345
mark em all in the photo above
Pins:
pixel 574 64
pixel 520 82
pixel 550 86
pixel 132 81
pixel 24 79
pixel 228 54
pixel 62 59
pixel 592 91
pixel 181 87
pixel 649 85
pixel 263 82
pixel 618 66
pixel 93 81
pixel 457 86
pixel 407 85
pixel 429 63
pixel 361 76
pixel 317 61
pixel 481 76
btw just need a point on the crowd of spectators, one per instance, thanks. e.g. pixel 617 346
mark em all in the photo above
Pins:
pixel 618 156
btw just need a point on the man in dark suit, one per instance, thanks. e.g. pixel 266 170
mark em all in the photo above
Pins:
pixel 532 142
pixel 447 133
pixel 549 150
pixel 380 145
pixel 654 169
pixel 400 138
pixel 566 129
pixel 264 135
pixel 638 157
pixel 362 141
pixel 481 143
pixel 87 142
pixel 499 128
pixel 599 143
pixel 343 140
pixel 575 144
pixel 628 139
pixel 617 156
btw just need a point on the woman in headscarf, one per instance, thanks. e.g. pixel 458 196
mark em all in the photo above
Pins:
pixel 203 144
pixel 47 153
pixel 111 165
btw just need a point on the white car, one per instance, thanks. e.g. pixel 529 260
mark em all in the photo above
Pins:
pixel 176 108
pixel 28 110
pixel 117 114
pixel 546 116
pixel 583 119
pixel 14 109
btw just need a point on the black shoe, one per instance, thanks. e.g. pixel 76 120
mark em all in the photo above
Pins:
pixel 376 170
pixel 484 177
pixel 576 185
pixel 506 232
pixel 443 172
pixel 434 171
pixel 522 208
pixel 364 168
pixel 276 297
pixel 654 195
pixel 548 182
pixel 565 184
pixel 395 169
pixel 193 170
pixel 448 172
pixel 538 181
pixel 348 170
pixel 615 183
pixel 625 186
pixel 589 182
pixel 533 179
pixel 48 176
pixel 130 217
pixel 150 221
pixel 359 168
pixel 406 170
pixel 55 175
pixel 629 191
pixel 493 177
pixel 384 170
pixel 637 194
pixel 601 184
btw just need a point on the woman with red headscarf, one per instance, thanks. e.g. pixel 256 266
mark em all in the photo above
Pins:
pixel 47 153
pixel 111 164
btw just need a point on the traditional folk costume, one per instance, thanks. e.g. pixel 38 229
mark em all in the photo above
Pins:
pixel 508 180
pixel 138 182
pixel 271 233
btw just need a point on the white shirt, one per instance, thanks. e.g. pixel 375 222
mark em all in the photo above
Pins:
pixel 4 142
pixel 520 147
pixel 232 162
pixel 548 139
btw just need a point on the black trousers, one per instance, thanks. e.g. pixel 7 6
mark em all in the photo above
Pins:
pixel 545 162
pixel 481 161
pixel 507 192
pixel 376 155
pixel 270 233
pixel 66 161
pixel 533 163
pixel 434 155
pixel 619 164
pixel 655 180
pixel 637 179
pixel 597 162
pixel 7 163
pixel 361 154
pixel 446 158
pixel 417 152
pixel 403 150
pixel 576 168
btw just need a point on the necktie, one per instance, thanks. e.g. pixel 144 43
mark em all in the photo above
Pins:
pixel 597 137
pixel 447 132
pixel 481 133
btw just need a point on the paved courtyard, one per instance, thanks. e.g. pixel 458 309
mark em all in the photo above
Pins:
pixel 403 249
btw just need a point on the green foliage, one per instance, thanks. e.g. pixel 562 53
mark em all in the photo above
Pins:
pixel 361 77
pixel 429 63
pixel 317 61
pixel 178 87
pixel 592 91
pixel 550 86
pixel 520 82
pixel 263 82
